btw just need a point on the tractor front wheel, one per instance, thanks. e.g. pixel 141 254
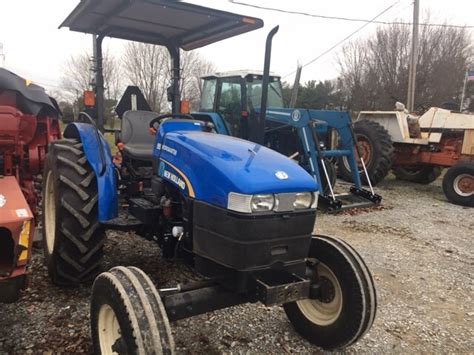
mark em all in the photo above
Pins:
pixel 73 238
pixel 421 174
pixel 344 308
pixel 458 184
pixel 127 315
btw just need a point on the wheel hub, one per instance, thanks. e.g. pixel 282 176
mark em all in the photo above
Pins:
pixel 326 308
pixel 364 148
pixel 364 151
pixel 464 185
pixel 327 290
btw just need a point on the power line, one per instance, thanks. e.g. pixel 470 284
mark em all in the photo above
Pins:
pixel 345 18
pixel 345 38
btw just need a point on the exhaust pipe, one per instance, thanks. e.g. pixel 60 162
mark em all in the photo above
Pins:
pixel 260 137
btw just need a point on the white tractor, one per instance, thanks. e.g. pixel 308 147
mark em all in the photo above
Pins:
pixel 424 145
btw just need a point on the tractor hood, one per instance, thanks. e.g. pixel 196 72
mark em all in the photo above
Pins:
pixel 209 166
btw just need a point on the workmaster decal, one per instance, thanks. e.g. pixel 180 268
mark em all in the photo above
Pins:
pixel 169 150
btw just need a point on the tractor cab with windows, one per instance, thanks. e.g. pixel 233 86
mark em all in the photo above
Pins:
pixel 236 95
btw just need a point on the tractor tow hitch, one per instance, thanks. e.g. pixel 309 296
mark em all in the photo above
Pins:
pixel 278 288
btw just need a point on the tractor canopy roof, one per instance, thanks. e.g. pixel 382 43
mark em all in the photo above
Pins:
pixel 162 22
pixel 256 74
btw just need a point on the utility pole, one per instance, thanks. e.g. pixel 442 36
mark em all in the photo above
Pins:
pixel 296 85
pixel 413 58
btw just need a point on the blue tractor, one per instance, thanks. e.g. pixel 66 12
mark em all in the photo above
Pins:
pixel 238 213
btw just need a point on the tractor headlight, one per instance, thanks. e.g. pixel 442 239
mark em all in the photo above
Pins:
pixel 283 202
pixel 262 203
pixel 303 200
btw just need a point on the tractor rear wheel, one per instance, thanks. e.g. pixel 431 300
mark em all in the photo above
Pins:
pixel 376 148
pixel 421 174
pixel 458 184
pixel 346 305
pixel 73 238
pixel 127 314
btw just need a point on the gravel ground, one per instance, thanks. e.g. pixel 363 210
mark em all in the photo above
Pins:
pixel 418 247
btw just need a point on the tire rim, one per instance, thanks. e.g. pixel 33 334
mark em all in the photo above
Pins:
pixel 364 146
pixel 108 328
pixel 463 184
pixel 50 213
pixel 324 312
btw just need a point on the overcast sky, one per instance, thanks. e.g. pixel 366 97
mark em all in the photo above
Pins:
pixel 35 48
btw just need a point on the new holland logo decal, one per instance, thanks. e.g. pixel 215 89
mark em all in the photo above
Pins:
pixel 171 176
pixel 281 175
pixel 176 179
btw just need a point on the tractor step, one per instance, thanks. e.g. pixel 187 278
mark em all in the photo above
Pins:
pixel 144 210
pixel 124 221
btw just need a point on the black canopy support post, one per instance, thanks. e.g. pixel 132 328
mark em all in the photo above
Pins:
pixel 265 81
pixel 175 78
pixel 99 80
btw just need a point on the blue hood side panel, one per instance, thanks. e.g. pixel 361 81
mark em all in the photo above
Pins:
pixel 173 125
pixel 212 165
pixel 106 183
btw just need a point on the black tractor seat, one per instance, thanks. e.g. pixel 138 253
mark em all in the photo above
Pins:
pixel 135 134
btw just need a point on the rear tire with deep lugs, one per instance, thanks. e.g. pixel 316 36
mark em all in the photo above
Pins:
pixel 73 238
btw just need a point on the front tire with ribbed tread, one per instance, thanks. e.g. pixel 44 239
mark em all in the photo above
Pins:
pixel 73 238
pixel 127 314
pixel 458 185
pixel 346 307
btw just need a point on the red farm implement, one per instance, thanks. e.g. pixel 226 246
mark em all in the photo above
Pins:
pixel 28 123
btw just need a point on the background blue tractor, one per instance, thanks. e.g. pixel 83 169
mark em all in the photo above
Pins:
pixel 316 139
pixel 239 214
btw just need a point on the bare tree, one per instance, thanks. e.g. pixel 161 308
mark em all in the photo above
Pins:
pixel 77 75
pixel 149 67
pixel 374 71
pixel 194 67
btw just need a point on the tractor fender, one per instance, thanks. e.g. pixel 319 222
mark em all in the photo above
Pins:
pixel 97 152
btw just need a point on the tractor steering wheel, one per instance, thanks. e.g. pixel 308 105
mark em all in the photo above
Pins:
pixel 169 115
